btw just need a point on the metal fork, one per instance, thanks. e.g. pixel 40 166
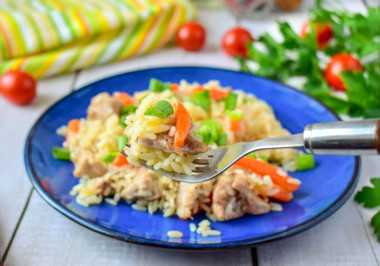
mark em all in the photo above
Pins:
pixel 361 137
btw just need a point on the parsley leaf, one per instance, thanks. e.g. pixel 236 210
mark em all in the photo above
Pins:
pixel 369 196
pixel 375 222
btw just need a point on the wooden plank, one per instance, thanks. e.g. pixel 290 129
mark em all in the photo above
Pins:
pixel 15 123
pixel 46 237
pixel 343 239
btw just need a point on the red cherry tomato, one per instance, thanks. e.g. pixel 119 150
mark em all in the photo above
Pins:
pixel 338 63
pixel 18 87
pixel 191 36
pixel 324 33
pixel 234 42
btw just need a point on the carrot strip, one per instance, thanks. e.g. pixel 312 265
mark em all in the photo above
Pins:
pixel 182 124
pixel 120 160
pixel 235 125
pixel 262 168
pixel 218 94
pixel 124 98
pixel 282 194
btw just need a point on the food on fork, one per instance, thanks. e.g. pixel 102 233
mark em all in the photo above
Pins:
pixel 160 134
pixel 168 126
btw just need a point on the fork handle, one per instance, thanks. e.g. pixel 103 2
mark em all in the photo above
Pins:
pixel 361 137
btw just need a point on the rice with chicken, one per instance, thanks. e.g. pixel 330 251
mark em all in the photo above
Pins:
pixel 219 116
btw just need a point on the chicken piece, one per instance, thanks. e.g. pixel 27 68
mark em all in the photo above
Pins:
pixel 190 196
pixel 144 186
pixel 191 146
pixel 104 187
pixel 103 106
pixel 232 197
pixel 86 164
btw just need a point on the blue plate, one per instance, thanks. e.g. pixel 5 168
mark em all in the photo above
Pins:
pixel 323 190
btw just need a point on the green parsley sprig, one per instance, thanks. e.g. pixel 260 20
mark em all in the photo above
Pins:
pixel 370 198
pixel 294 56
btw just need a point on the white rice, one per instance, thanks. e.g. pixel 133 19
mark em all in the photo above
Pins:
pixel 293 181
pixel 193 227
pixel 62 131
pixel 276 207
pixel 175 234
pixel 138 207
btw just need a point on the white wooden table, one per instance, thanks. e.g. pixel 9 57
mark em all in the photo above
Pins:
pixel 33 233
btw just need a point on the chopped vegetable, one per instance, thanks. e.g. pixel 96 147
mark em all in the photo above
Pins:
pixel 198 88
pixel 262 157
pixel 72 128
pixel 73 125
pixel 278 176
pixel 252 155
pixel 234 115
pixel 61 153
pixel 109 157
pixel 202 99
pixel 305 161
pixel 124 98
pixel 211 132
pixel 218 94
pixel 182 124
pixel 122 140
pixel 120 160
pixel 235 124
pixel 161 109
pixel 174 87
pixel 122 120
pixel 222 139
pixel 127 110
pixel 370 198
pixel 282 194
pixel 230 101
pixel 156 85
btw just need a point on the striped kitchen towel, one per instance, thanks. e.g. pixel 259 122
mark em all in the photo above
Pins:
pixel 49 37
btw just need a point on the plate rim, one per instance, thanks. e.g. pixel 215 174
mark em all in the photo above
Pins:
pixel 125 237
